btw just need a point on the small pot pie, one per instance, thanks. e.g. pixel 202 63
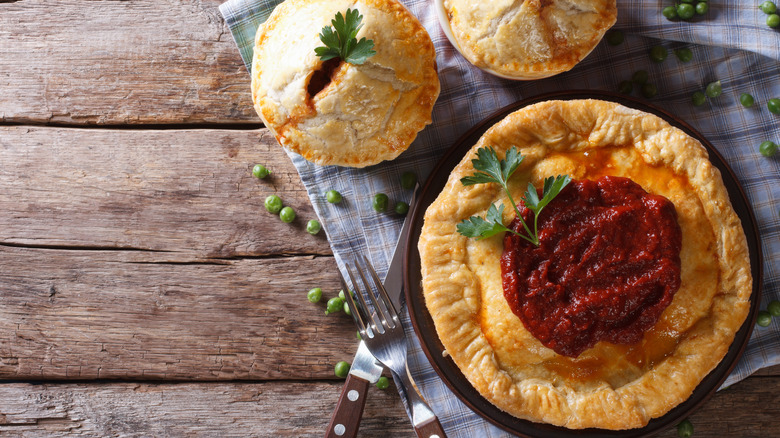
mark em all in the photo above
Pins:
pixel 527 39
pixel 608 385
pixel 335 113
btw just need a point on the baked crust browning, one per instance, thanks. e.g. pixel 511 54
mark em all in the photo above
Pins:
pixel 363 114
pixel 608 386
pixel 529 39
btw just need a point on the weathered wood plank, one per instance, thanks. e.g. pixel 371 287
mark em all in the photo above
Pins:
pixel 72 314
pixel 190 410
pixel 110 62
pixel 187 191
pixel 292 409
pixel 747 409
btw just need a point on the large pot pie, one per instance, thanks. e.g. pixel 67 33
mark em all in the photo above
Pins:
pixel 527 39
pixel 333 112
pixel 609 385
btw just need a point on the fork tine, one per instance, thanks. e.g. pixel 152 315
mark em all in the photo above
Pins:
pixel 388 304
pixel 379 312
pixel 378 316
pixel 372 325
pixel 353 308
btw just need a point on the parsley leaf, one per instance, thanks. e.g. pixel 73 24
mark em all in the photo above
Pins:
pixel 552 186
pixel 492 170
pixel 480 228
pixel 331 41
pixel 341 41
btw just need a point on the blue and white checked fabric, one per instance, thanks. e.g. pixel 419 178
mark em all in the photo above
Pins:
pixel 731 43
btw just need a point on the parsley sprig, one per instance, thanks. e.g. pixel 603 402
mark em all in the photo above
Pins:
pixel 492 170
pixel 342 42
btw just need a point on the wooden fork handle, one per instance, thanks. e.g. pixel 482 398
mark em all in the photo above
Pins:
pixel 346 417
pixel 430 429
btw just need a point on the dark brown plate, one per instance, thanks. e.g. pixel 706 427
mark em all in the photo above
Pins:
pixel 449 372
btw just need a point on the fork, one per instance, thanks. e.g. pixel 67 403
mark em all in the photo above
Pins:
pixel 383 334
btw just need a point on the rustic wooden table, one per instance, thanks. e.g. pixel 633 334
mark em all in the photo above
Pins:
pixel 144 290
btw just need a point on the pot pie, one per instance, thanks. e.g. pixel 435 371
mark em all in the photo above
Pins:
pixel 333 112
pixel 609 385
pixel 528 39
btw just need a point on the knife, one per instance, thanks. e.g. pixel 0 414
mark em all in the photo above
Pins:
pixel 365 369
pixel 424 420
pixel 346 417
pixel 394 282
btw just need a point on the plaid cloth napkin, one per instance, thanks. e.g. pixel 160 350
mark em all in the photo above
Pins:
pixel 731 43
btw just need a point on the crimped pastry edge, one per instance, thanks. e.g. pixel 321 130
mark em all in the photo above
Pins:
pixel 452 292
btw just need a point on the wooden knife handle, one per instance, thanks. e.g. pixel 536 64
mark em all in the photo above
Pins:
pixel 430 429
pixel 346 418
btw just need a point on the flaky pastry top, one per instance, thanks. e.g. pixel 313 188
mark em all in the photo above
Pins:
pixel 366 113
pixel 529 39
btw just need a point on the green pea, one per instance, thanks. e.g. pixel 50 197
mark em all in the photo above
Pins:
pixel 273 204
pixel 773 21
pixel 260 171
pixel 408 180
pixel 640 77
pixel 698 98
pixel 686 11
pixel 685 429
pixel 314 295
pixel 714 89
pixel 768 149
pixel 313 227
pixel 702 8
pixel 658 53
pixel 670 12
pixel 346 309
pixel 773 308
pixel 684 55
pixel 649 90
pixel 625 87
pixel 334 305
pixel 341 369
pixel 764 318
pixel 383 382
pixel 380 202
pixel 357 332
pixel 287 215
pixel 746 100
pixel 342 295
pixel 773 105
pixel 614 37
pixel 333 196
pixel 768 7
pixel 401 208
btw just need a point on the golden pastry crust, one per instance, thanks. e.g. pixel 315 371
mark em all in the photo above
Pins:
pixel 529 39
pixel 367 113
pixel 608 386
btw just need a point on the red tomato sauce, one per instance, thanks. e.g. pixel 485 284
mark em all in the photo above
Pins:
pixel 607 266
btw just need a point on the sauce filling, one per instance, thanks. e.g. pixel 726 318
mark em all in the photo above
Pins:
pixel 607 266
pixel 322 77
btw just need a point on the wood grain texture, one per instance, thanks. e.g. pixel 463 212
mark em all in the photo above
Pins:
pixel 120 62
pixel 749 408
pixel 178 191
pixel 190 410
pixel 293 409
pixel 147 256
pixel 73 314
